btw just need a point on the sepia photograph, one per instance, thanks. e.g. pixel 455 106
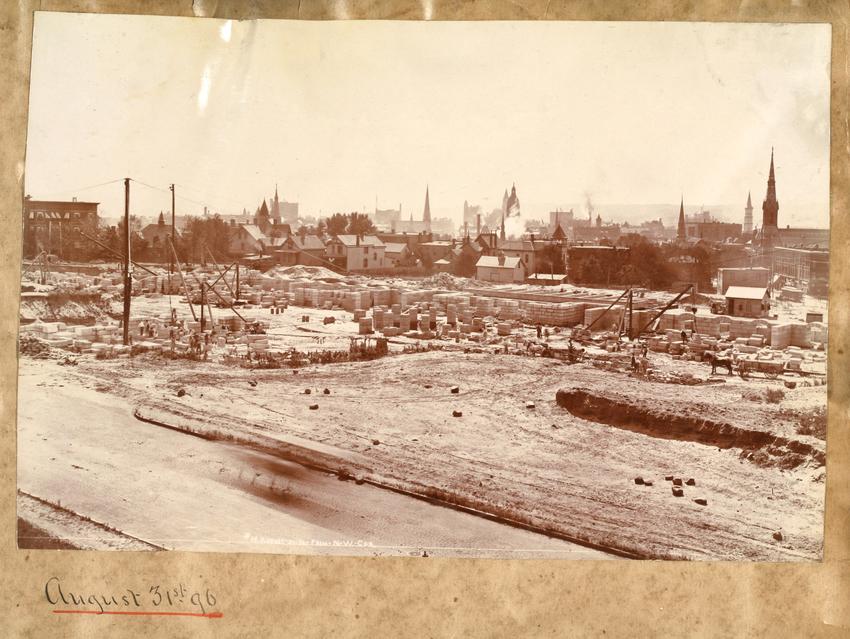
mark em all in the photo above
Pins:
pixel 509 290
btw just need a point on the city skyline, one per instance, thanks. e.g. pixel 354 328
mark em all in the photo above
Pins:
pixel 357 127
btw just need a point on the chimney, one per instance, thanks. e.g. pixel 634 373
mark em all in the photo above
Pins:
pixel 501 259
pixel 478 224
pixel 357 240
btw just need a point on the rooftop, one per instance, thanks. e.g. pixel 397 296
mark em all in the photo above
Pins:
pixel 746 292
pixel 492 261
pixel 366 240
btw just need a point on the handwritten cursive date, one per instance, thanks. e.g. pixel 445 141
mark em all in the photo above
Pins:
pixel 157 597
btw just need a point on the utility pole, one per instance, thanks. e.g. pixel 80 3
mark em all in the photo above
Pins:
pixel 171 258
pixel 237 280
pixel 631 297
pixel 203 301
pixel 127 282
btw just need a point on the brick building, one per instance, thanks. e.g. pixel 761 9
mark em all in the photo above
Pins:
pixel 55 227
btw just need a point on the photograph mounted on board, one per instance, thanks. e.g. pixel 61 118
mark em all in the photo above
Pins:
pixel 466 289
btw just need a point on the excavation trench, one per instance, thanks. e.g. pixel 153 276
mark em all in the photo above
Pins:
pixel 760 447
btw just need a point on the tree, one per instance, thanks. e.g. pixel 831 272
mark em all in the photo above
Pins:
pixel 360 224
pixel 138 244
pixel 337 224
pixel 550 259
pixel 203 233
pixel 465 264
pixel 321 228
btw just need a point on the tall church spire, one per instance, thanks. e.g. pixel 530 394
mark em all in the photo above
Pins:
pixel 770 209
pixel 426 214
pixel 681 231
pixel 276 205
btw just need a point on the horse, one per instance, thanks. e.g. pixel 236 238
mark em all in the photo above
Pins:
pixel 715 361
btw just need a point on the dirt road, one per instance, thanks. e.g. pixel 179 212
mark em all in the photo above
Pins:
pixel 82 449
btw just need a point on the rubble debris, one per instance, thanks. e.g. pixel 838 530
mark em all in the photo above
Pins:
pixel 668 478
pixel 701 501
pixel 327 391
pixel 181 392
pixel 454 390
pixel 647 482
pixel 33 347
pixel 678 492
pixel 375 442
pixel 639 481
pixel 529 404
pixel 307 391
pixel 314 407
pixel 778 536
pixel 691 482
pixel 343 475
pixel 457 413
pixel 677 481
pixel 252 382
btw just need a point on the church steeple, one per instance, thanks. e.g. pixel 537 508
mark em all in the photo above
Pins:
pixel 426 214
pixel 681 231
pixel 276 205
pixel 748 216
pixel 770 209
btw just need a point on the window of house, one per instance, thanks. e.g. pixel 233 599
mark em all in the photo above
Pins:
pixel 365 262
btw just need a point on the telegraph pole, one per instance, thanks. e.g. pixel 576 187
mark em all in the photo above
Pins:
pixel 171 259
pixel 127 282
pixel 203 301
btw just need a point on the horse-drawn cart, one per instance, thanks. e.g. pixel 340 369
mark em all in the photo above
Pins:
pixel 771 368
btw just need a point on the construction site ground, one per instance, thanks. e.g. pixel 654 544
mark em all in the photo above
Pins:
pixel 501 445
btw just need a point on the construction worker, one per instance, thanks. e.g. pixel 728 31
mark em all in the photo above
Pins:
pixel 539 331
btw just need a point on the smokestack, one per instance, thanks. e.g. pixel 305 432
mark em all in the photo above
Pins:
pixel 478 224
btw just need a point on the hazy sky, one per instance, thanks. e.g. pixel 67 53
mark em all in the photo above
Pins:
pixel 339 112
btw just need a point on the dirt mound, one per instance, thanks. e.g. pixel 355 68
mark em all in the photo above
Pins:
pixel 300 271
pixel 446 281
pixel 687 422
pixel 70 308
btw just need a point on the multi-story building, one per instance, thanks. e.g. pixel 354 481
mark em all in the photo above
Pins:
pixel 807 269
pixel 55 227
pixel 356 252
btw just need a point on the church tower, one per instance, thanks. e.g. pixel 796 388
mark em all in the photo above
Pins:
pixel 748 217
pixel 681 231
pixel 770 210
